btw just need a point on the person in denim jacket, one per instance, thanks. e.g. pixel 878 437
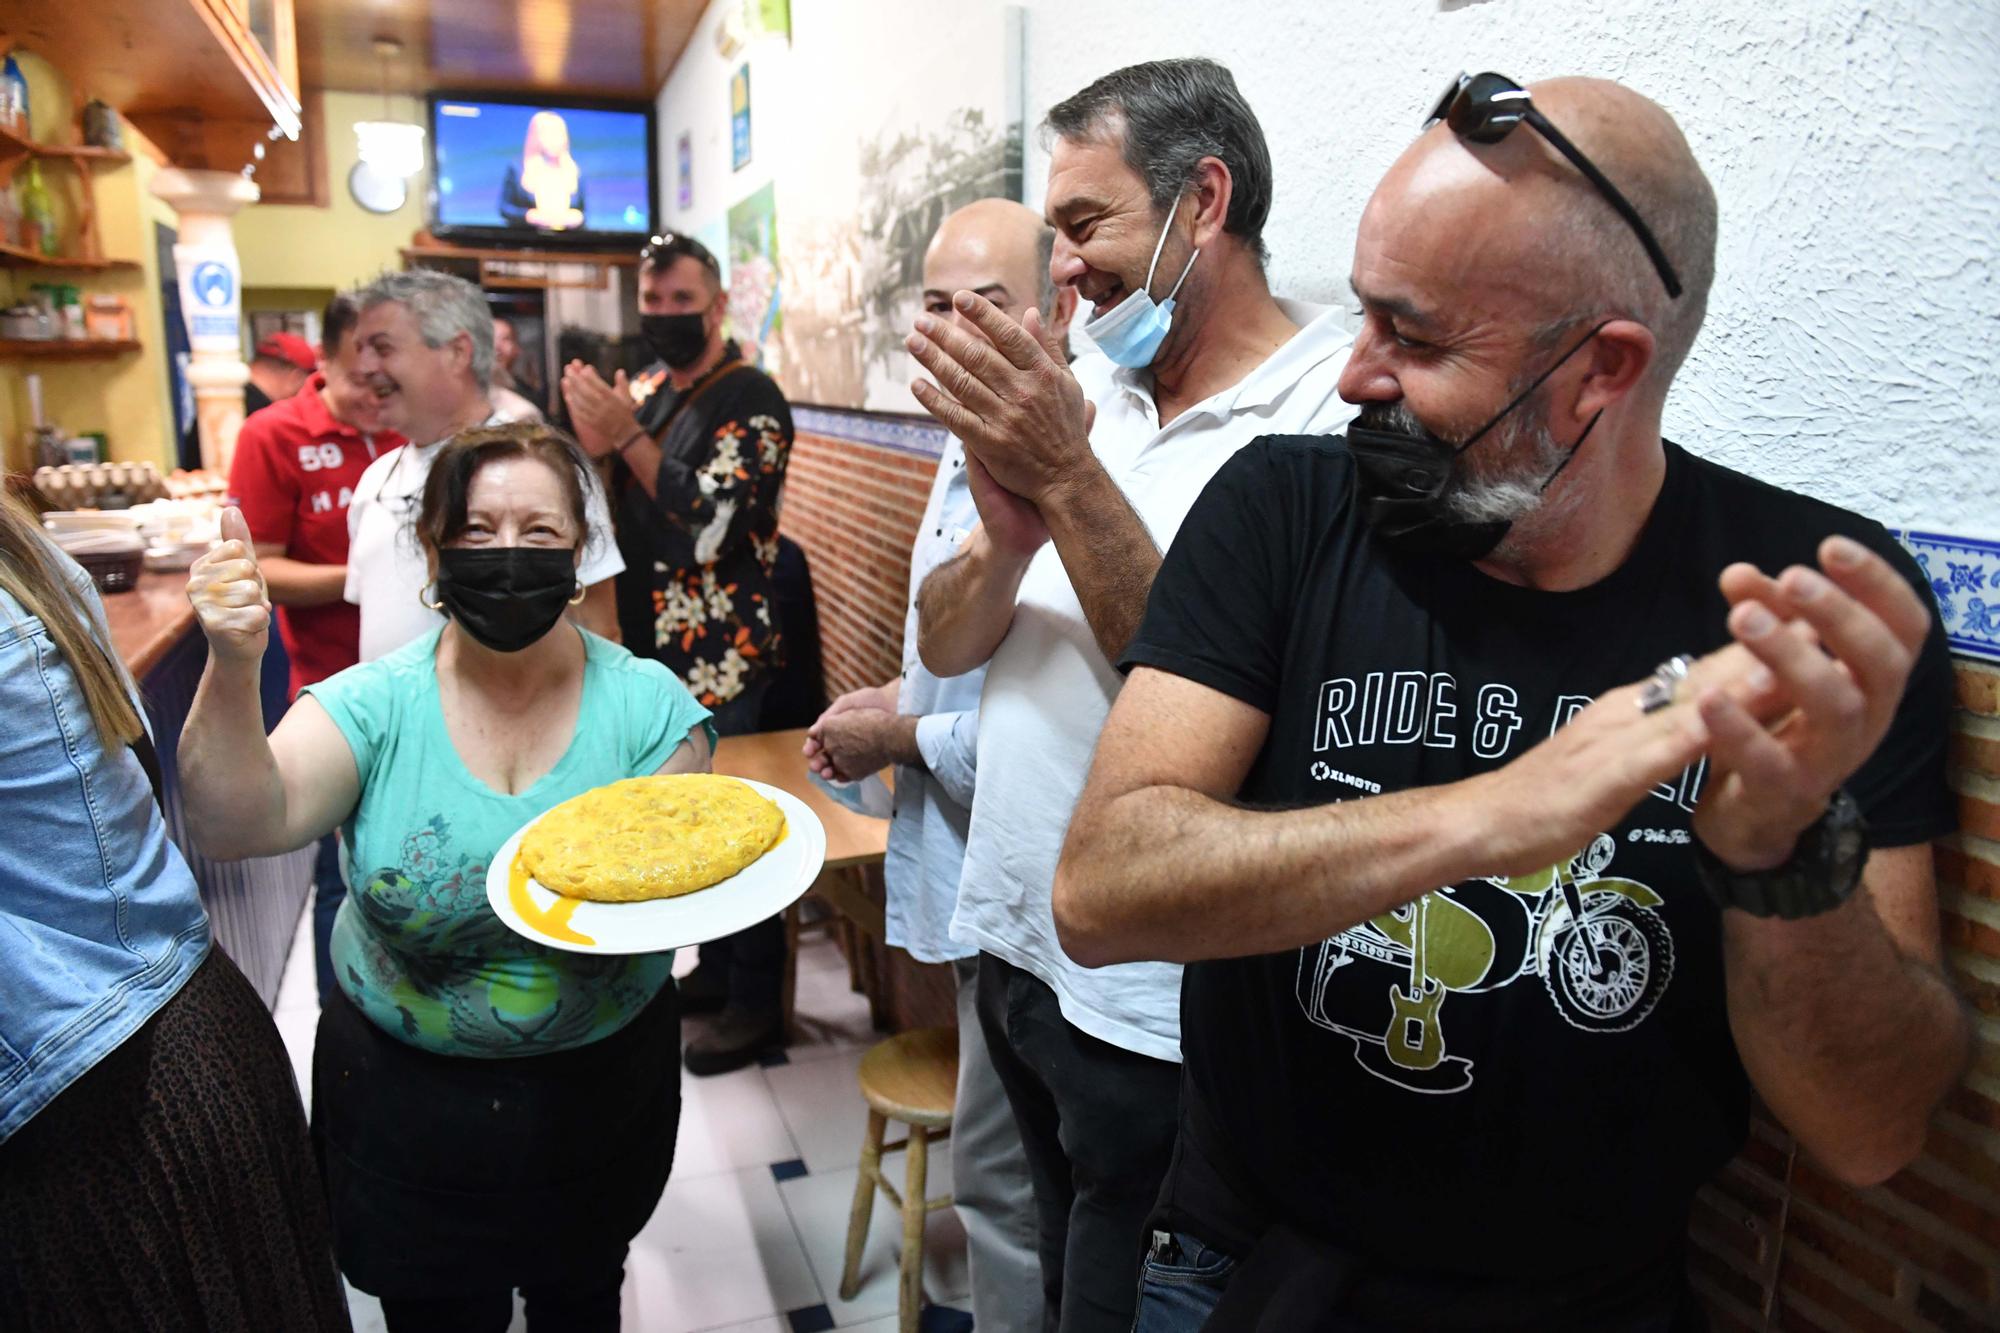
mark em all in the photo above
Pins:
pixel 154 1165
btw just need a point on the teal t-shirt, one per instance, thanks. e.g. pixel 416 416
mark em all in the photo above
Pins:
pixel 415 945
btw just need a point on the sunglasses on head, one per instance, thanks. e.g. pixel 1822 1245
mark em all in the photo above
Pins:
pixel 1485 108
pixel 660 251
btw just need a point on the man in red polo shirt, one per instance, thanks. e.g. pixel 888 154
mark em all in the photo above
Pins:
pixel 293 474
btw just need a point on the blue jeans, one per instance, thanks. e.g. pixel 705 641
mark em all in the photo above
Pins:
pixel 1180 1285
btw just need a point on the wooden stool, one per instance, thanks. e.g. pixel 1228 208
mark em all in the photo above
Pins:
pixel 911 1078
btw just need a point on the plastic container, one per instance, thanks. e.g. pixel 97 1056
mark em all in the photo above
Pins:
pixel 114 560
pixel 29 323
pixel 70 302
pixel 14 98
pixel 108 318
pixel 100 126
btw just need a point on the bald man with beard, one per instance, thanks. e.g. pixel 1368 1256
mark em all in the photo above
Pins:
pixel 928 728
pixel 1491 925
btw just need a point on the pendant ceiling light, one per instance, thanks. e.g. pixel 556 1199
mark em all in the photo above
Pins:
pixel 390 147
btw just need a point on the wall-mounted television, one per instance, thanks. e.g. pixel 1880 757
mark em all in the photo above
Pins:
pixel 541 171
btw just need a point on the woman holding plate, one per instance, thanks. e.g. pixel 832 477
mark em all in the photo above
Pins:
pixel 491 1114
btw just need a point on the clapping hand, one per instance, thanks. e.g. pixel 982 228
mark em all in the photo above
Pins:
pixel 1004 390
pixel 228 593
pixel 602 413
pixel 1767 783
pixel 1554 798
pixel 1011 523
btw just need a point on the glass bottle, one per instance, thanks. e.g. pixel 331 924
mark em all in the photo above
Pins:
pixel 38 215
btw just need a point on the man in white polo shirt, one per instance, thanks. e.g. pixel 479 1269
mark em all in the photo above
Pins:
pixel 1159 186
pixel 427 351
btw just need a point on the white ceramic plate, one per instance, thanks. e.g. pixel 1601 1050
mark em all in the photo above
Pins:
pixel 767 886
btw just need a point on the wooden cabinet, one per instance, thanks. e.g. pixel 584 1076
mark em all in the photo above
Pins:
pixel 167 65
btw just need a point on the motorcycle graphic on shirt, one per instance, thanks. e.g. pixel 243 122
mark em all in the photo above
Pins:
pixel 1595 941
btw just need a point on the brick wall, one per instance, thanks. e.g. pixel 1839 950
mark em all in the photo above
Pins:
pixel 1778 1244
pixel 854 507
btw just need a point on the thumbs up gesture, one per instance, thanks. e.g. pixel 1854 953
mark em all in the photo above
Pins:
pixel 228 593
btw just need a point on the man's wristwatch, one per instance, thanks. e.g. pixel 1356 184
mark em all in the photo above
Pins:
pixel 1819 875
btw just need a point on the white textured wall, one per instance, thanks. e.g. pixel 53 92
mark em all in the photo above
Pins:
pixel 695 100
pixel 1852 338
pixel 1854 330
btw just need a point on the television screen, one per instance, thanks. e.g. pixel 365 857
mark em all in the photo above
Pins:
pixel 541 171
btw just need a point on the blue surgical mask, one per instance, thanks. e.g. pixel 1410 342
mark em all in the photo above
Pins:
pixel 1130 333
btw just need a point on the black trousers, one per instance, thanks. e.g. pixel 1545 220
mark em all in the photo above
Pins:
pixel 753 959
pixel 1098 1124
pixel 455 1180
pixel 579 1305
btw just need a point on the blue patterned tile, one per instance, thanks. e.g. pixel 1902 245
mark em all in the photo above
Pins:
pixel 772 1059
pixel 1964 574
pixel 790 1170
pixel 908 435
pixel 943 1319
pixel 812 1319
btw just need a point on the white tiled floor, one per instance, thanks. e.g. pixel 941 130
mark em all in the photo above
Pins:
pixel 732 1249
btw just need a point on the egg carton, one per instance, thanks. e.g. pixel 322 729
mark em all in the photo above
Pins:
pixel 100 485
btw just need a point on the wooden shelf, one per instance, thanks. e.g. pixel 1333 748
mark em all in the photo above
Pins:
pixel 63 349
pixel 529 269
pixel 84 163
pixel 14 145
pixel 14 256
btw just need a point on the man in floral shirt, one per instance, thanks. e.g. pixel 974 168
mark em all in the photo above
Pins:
pixel 700 440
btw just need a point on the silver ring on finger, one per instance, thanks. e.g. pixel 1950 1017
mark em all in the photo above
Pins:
pixel 1659 691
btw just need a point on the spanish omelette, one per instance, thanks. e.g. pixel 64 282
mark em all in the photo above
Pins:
pixel 651 837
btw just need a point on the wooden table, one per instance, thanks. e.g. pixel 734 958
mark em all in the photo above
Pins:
pixel 853 842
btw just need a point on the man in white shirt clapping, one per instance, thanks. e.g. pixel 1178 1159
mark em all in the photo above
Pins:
pixel 1159 186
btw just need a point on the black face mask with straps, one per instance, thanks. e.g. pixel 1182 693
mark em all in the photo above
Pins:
pixel 1404 479
pixel 506 597
pixel 678 340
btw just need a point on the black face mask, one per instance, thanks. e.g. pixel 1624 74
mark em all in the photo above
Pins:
pixel 506 597
pixel 678 340
pixel 1404 478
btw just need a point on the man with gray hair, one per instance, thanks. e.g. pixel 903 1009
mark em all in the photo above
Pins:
pixel 427 355
pixel 1159 187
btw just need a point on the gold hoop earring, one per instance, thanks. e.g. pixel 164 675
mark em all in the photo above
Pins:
pixel 426 602
pixel 581 593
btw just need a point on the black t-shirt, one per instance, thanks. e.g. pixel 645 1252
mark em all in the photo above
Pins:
pixel 1519 1109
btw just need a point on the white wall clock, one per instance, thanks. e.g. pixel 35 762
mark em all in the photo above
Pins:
pixel 377 191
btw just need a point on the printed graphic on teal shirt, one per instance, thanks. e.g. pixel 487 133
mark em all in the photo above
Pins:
pixel 427 959
pixel 416 946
